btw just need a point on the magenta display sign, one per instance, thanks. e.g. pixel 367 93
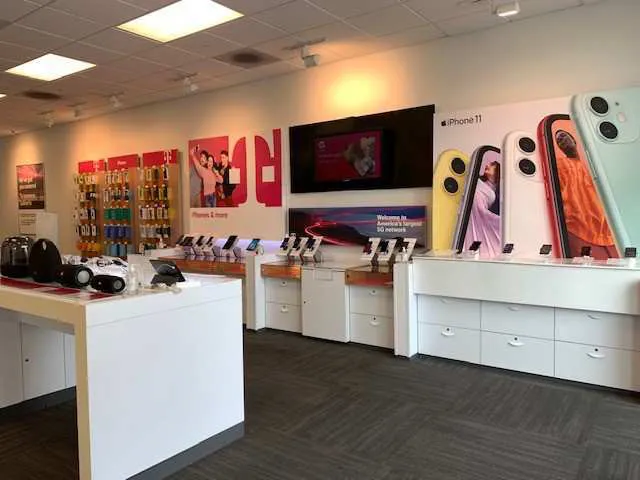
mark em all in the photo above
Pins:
pixel 351 156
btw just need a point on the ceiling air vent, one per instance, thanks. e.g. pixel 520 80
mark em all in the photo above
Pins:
pixel 40 95
pixel 247 58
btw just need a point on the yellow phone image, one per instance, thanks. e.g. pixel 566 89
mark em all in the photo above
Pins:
pixel 449 182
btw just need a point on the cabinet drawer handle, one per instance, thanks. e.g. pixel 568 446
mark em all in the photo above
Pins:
pixel 375 322
pixel 597 355
pixel 593 316
pixel 283 283
pixel 448 333
pixel 514 308
pixel 516 343
pixel 373 292
pixel 284 309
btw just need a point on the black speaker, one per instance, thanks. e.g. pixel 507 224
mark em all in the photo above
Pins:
pixel 74 276
pixel 44 261
pixel 108 283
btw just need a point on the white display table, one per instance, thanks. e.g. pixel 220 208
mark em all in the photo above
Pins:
pixel 576 322
pixel 159 376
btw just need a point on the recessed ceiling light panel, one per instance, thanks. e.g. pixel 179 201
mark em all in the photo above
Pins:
pixel 50 67
pixel 2 95
pixel 180 19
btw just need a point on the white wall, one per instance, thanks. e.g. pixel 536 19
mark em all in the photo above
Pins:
pixel 587 48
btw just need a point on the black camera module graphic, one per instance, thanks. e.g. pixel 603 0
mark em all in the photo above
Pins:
pixel 443 123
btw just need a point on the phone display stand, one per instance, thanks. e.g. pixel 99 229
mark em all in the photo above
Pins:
pixel 217 251
pixel 298 250
pixel 582 260
pixel 313 254
pixel 471 255
pixel 405 251
pixel 208 247
pixel 286 246
pixel 369 255
pixel 623 262
pixel 386 257
pixel 237 252
pixel 506 257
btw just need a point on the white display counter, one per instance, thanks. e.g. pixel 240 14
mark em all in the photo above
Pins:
pixel 570 321
pixel 159 376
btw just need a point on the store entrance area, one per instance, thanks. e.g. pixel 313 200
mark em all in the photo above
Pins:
pixel 319 410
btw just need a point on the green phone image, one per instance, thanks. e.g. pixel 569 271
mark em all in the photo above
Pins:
pixel 609 125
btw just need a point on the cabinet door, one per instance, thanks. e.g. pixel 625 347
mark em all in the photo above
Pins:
pixel 42 361
pixel 10 361
pixel 325 305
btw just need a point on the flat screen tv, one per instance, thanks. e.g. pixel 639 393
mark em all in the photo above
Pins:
pixel 385 150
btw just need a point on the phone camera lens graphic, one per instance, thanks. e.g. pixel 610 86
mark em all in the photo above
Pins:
pixel 451 185
pixel 527 167
pixel 608 130
pixel 527 145
pixel 457 166
pixel 599 105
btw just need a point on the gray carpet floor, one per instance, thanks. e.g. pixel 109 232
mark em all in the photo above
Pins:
pixel 324 411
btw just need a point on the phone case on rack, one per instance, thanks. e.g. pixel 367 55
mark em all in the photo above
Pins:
pixel 448 186
pixel 525 216
pixel 609 125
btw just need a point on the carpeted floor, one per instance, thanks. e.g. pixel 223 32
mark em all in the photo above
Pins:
pixel 317 410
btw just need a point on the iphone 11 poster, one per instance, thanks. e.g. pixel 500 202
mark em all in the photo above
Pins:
pixel 539 173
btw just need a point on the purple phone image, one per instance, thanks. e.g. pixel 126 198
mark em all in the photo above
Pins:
pixel 480 214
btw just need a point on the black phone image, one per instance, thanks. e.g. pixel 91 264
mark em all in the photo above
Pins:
pixel 200 241
pixel 285 243
pixel 367 248
pixel 230 241
pixel 296 243
pixel 253 245
pixel 384 246
pixel 545 249
pixel 585 251
pixel 475 246
pixel 311 243
pixel 508 249
pixel 187 242
pixel 630 252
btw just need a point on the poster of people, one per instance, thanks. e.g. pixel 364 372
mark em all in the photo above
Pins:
pixel 30 186
pixel 235 184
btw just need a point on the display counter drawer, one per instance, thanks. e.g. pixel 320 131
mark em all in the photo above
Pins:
pixel 521 353
pixel 371 300
pixel 609 367
pixel 598 328
pixel 283 291
pixel 455 312
pixel 282 316
pixel 516 319
pixel 449 342
pixel 372 330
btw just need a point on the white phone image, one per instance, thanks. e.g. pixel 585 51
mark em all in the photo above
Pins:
pixel 525 215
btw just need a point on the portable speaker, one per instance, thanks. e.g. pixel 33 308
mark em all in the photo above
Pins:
pixel 44 261
pixel 108 283
pixel 74 276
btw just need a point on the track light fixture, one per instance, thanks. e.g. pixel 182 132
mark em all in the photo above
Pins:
pixel 509 9
pixel 190 86
pixel 77 109
pixel 115 100
pixel 49 121
pixel 309 59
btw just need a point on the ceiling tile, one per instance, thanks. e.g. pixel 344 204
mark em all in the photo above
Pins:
pixel 120 41
pixel 387 21
pixel 209 68
pixel 251 6
pixel 356 47
pixel 61 23
pixel 27 37
pixel 436 10
pixel 159 81
pixel 205 45
pixel 112 75
pixel 169 56
pixel 107 13
pixel 295 16
pixel 470 23
pixel 13 83
pixel 350 8
pixel 531 8
pixel 137 66
pixel 12 10
pixel 74 84
pixel 149 4
pixel 255 74
pixel 280 47
pixel 246 31
pixel 17 53
pixel 332 32
pixel 88 53
pixel 413 36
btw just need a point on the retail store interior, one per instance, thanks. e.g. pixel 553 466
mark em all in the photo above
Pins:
pixel 319 239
